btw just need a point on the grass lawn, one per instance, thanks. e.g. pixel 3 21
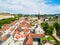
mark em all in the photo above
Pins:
pixel 43 38
pixel 48 39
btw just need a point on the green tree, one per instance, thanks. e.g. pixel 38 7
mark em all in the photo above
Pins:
pixel 44 25
pixel 47 28
pixel 57 27
pixel 58 43
pixel 6 21
pixel 32 23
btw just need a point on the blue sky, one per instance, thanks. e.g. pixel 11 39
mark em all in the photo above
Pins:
pixel 30 6
pixel 53 2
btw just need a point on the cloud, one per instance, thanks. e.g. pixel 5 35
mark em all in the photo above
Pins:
pixel 28 6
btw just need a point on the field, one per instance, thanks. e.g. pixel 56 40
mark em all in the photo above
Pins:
pixel 5 16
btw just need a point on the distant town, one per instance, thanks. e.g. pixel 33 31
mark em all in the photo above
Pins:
pixel 29 29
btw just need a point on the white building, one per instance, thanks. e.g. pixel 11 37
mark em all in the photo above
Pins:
pixel 39 30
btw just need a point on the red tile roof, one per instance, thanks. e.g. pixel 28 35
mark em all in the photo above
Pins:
pixel 16 32
pixel 6 26
pixel 38 35
pixel 4 38
pixel 26 31
pixel 11 29
pixel 29 41
pixel 13 23
pixel 25 25
pixel 19 28
pixel 18 35
pixel 0 33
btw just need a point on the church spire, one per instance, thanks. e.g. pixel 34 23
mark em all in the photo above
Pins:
pixel 39 15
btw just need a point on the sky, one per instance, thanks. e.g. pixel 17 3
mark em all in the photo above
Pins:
pixel 30 6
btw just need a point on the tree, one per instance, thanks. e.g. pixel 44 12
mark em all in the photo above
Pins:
pixel 58 43
pixel 56 17
pixel 32 23
pixel 44 25
pixel 57 27
pixel 6 21
pixel 47 28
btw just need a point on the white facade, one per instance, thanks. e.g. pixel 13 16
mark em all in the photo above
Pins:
pixel 39 30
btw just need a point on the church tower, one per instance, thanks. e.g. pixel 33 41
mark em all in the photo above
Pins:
pixel 39 15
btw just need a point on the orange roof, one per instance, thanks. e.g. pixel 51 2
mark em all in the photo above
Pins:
pixel 29 41
pixel 4 38
pixel 22 21
pixel 0 33
pixel 13 23
pixel 38 35
pixel 5 27
pixel 25 25
pixel 19 28
pixel 17 36
pixel 16 32
pixel 11 29
pixel 26 31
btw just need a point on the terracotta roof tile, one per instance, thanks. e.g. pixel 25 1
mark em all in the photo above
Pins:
pixel 29 41
pixel 26 31
pixel 13 23
pixel 16 32
pixel 17 36
pixel 37 35
pixel 0 33
pixel 4 38
pixel 25 25
pixel 11 29
pixel 5 27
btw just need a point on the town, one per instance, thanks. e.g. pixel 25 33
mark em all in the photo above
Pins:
pixel 30 30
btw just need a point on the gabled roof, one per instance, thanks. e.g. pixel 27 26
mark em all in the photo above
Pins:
pixel 31 36
pixel 26 31
pixel 13 23
pixel 11 29
pixel 6 26
pixel 29 41
pixel 4 38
